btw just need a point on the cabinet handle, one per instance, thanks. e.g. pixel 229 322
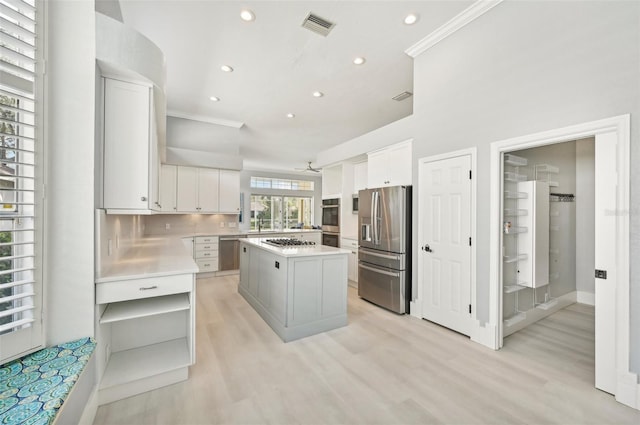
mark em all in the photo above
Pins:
pixel 146 288
pixel 143 198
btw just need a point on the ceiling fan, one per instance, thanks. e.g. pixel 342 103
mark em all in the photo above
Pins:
pixel 309 168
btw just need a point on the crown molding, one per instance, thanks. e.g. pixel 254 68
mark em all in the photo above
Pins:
pixel 470 14
pixel 202 118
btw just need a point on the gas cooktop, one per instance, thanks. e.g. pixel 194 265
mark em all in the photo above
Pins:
pixel 288 242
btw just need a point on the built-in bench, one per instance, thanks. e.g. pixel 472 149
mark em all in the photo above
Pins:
pixel 35 388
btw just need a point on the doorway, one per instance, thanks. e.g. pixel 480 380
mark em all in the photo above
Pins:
pixel 612 244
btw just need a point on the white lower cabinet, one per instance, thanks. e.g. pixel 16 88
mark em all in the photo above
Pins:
pixel 352 265
pixel 147 329
pixel 206 253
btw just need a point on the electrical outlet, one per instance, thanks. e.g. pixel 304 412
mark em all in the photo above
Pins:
pixel 109 247
pixel 167 226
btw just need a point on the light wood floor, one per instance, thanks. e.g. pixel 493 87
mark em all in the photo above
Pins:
pixel 380 369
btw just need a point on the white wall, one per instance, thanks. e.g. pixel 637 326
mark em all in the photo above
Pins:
pixel 69 226
pixel 522 68
pixel 245 187
pixel 585 215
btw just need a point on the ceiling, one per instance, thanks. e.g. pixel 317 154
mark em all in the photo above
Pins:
pixel 278 64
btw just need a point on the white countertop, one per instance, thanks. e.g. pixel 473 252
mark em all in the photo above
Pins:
pixel 295 251
pixel 151 257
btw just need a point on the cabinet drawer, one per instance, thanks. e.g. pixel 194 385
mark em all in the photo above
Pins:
pixel 132 289
pixel 206 254
pixel 206 247
pixel 207 239
pixel 207 265
pixel 348 243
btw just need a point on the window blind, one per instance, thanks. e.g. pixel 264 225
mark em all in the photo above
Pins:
pixel 20 291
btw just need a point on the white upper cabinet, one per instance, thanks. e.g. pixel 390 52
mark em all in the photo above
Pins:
pixel 229 191
pixel 197 190
pixel 390 166
pixel 130 159
pixel 360 180
pixel 168 179
pixel 332 181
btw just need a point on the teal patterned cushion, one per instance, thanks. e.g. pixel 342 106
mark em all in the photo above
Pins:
pixel 33 388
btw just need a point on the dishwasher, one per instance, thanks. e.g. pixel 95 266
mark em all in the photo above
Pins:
pixel 229 255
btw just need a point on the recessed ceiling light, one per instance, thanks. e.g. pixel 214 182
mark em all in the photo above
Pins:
pixel 318 94
pixel 247 15
pixel 359 60
pixel 290 115
pixel 214 99
pixel 226 68
pixel 411 19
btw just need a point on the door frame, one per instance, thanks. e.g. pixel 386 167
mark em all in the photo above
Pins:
pixel 416 304
pixel 627 388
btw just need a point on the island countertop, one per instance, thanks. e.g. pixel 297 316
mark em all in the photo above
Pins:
pixel 295 251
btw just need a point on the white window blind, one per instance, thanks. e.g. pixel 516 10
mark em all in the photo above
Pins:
pixel 20 290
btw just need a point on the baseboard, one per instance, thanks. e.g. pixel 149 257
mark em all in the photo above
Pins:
pixel 628 389
pixel 415 309
pixel 587 298
pixel 485 335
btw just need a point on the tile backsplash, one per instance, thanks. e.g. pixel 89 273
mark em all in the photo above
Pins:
pixel 187 224
pixel 114 236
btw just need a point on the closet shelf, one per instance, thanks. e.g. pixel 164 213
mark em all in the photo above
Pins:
pixel 509 289
pixel 514 258
pixel 513 230
pixel 515 212
pixel 515 160
pixel 514 177
pixel 546 168
pixel 515 195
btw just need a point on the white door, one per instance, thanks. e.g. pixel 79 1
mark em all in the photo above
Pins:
pixel 445 216
pixel 168 179
pixel 229 191
pixel 187 189
pixel 605 250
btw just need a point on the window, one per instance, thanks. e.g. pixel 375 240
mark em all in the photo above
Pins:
pixel 20 290
pixel 280 212
pixel 281 184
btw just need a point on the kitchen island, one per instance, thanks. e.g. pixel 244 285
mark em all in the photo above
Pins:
pixel 299 290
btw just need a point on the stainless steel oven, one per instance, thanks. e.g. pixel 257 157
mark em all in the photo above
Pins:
pixel 331 239
pixel 331 215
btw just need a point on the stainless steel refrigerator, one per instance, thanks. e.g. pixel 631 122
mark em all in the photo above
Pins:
pixel 384 252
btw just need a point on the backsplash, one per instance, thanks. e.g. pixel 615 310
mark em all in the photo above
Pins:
pixel 188 224
pixel 114 236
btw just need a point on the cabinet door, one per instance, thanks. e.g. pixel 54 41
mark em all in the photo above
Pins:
pixel 208 190
pixel 377 169
pixel 168 180
pixel 126 145
pixel 187 189
pixel 229 191
pixel 154 163
pixel 359 176
pixel 398 160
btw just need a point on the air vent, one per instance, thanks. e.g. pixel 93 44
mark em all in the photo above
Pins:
pixel 318 25
pixel 402 96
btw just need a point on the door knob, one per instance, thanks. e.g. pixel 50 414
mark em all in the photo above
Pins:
pixel 426 248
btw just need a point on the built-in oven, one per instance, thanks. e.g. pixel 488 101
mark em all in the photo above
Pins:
pixel 331 239
pixel 331 215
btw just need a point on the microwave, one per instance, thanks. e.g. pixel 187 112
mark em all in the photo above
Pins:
pixel 354 203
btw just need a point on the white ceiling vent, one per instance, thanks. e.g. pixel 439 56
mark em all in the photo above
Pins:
pixel 318 25
pixel 402 96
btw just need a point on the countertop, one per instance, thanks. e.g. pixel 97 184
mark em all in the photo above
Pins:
pixel 151 257
pixel 297 251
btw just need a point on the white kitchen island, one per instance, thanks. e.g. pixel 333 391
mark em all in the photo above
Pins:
pixel 299 291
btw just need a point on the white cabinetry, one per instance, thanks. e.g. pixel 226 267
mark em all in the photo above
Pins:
pixel 360 180
pixel 149 328
pixel 197 189
pixel 534 271
pixel 206 253
pixel 130 167
pixel 168 178
pixel 390 166
pixel 332 181
pixel 229 191
pixel 352 265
